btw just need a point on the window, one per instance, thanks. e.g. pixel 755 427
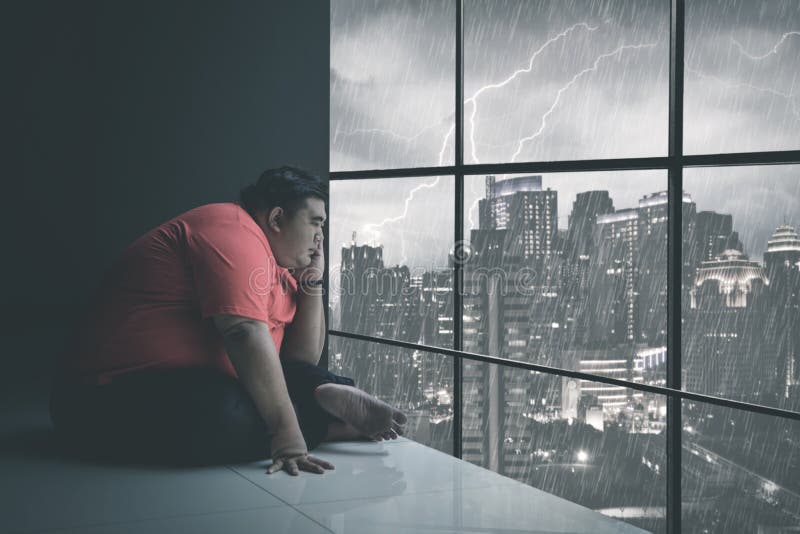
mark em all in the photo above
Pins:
pixel 392 84
pixel 740 69
pixel 616 196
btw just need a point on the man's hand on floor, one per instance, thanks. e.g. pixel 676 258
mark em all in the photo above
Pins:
pixel 301 462
pixel 289 452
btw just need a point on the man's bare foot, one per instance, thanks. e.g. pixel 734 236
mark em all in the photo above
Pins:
pixel 368 415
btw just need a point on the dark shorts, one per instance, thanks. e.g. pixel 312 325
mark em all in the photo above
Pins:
pixel 196 416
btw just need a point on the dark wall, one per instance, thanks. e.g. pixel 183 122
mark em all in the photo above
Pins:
pixel 123 114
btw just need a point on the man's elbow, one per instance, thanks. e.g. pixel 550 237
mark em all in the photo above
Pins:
pixel 240 331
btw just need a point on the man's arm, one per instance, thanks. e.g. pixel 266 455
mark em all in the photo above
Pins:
pixel 305 335
pixel 255 358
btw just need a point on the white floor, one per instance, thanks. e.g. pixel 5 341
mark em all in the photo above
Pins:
pixel 390 487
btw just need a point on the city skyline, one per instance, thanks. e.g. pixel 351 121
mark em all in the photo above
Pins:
pixel 429 250
pixel 611 260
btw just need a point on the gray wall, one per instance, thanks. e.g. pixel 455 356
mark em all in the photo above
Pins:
pixel 124 114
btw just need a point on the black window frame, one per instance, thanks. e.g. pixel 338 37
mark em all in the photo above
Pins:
pixel 674 163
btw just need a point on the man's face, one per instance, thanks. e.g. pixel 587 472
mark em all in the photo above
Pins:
pixel 299 235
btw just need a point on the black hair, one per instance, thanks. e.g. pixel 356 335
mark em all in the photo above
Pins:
pixel 285 187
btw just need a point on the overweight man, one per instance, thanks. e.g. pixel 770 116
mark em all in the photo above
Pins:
pixel 202 342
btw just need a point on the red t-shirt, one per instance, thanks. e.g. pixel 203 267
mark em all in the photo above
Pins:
pixel 153 308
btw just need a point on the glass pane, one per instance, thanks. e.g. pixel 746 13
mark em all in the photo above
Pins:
pixel 740 76
pixel 392 84
pixel 420 384
pixel 390 245
pixel 741 291
pixel 569 270
pixel 560 80
pixel 739 471
pixel 554 434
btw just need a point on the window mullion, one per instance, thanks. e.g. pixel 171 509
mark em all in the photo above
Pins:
pixel 674 263
pixel 458 234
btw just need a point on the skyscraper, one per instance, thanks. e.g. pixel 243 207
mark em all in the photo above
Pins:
pixel 384 302
pixel 782 323
pixel 651 327
pixel 359 266
pixel 578 243
pixel 714 234
pixel 527 213
pixel 511 285
pixel 610 312
pixel 725 351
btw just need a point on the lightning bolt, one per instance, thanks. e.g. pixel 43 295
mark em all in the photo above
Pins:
pixel 774 49
pixel 474 98
pixel 736 85
pixel 569 84
pixel 373 228
pixel 555 103
pixel 789 97
pixel 473 206
pixel 390 133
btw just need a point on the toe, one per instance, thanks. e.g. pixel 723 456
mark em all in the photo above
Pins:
pixel 399 417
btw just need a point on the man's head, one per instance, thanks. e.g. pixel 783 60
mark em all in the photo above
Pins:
pixel 289 206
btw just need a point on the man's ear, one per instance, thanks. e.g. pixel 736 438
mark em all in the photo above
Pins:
pixel 274 218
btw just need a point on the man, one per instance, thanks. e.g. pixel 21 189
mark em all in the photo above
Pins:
pixel 203 341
